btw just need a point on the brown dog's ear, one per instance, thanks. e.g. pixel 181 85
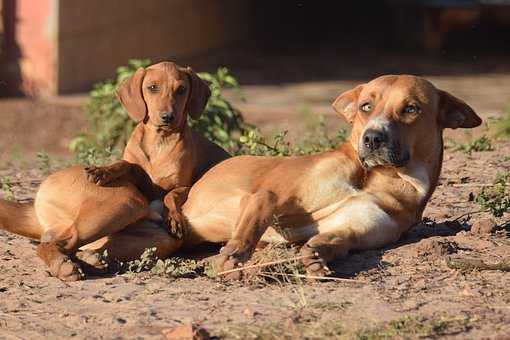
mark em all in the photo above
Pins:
pixel 455 113
pixel 130 96
pixel 199 95
pixel 345 104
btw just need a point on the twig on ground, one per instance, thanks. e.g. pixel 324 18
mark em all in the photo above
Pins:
pixel 314 277
pixel 470 184
pixel 467 214
pixel 464 263
pixel 260 265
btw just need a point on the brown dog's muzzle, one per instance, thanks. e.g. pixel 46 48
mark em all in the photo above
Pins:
pixel 381 146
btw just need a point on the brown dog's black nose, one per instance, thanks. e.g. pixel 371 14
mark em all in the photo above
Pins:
pixel 373 139
pixel 167 117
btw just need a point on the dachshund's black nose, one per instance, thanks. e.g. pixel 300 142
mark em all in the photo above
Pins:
pixel 167 117
pixel 373 139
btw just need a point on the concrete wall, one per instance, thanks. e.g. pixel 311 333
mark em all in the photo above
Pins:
pixel 96 36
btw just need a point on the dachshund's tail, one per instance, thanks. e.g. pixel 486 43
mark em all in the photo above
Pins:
pixel 19 218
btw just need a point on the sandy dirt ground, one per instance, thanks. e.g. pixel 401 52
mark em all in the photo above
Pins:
pixel 405 290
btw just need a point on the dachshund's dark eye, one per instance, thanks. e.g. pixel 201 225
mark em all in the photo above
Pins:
pixel 411 109
pixel 180 90
pixel 153 88
pixel 367 107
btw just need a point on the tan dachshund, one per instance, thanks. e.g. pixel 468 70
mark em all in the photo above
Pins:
pixel 162 159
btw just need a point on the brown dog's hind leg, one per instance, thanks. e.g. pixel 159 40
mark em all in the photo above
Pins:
pixel 257 213
pixel 54 251
pixel 322 248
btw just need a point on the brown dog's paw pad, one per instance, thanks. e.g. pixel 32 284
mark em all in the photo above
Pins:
pixel 314 264
pixel 98 175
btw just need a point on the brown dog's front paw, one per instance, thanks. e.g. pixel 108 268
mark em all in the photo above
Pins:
pixel 314 264
pixel 99 175
pixel 92 262
pixel 228 264
pixel 227 267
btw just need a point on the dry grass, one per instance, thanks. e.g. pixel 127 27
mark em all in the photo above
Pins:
pixel 282 273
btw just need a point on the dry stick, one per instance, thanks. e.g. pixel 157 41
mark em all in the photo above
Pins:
pixel 470 184
pixel 260 265
pixel 265 264
pixel 467 214
pixel 26 181
pixel 314 277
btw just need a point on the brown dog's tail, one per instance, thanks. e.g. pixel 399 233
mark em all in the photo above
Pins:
pixel 19 218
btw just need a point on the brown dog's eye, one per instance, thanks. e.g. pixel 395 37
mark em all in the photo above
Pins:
pixel 367 107
pixel 181 90
pixel 411 109
pixel 153 88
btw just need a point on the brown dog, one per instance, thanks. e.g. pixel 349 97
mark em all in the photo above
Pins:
pixel 363 195
pixel 162 159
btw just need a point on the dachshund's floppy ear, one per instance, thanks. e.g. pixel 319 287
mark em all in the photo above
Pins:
pixel 454 113
pixel 130 96
pixel 199 95
pixel 346 103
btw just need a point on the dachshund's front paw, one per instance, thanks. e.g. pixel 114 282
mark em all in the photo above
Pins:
pixel 99 175
pixel 176 225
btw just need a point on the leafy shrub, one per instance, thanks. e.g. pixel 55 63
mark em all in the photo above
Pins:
pixel 173 267
pixel 316 139
pixel 7 187
pixel 221 122
pixel 495 198
pixel 483 143
pixel 503 124
pixel 110 126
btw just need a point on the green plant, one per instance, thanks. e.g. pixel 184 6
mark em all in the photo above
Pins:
pixel 7 186
pixel 483 143
pixel 410 327
pixel 43 162
pixel 495 198
pixel 255 144
pixel 503 124
pixel 221 122
pixel 316 139
pixel 110 126
pixel 174 267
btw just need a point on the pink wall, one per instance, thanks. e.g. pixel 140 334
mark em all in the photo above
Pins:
pixel 36 31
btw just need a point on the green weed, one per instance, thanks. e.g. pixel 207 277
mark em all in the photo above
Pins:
pixel 410 327
pixel 173 267
pixel 43 162
pixel 495 198
pixel 7 187
pixel 480 144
